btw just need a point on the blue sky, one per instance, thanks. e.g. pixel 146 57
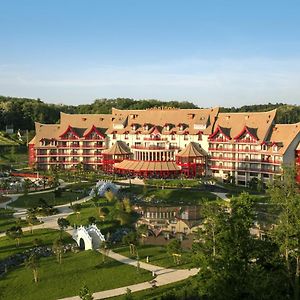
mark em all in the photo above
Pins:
pixel 208 52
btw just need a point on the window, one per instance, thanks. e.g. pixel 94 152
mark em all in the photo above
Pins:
pixel 126 136
pixel 186 137
pixel 114 136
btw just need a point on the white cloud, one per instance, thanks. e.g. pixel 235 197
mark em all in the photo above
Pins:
pixel 206 82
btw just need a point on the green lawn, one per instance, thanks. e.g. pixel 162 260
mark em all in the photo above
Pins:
pixel 174 182
pixel 89 210
pixel 29 201
pixel 171 196
pixel 47 236
pixel 157 256
pixel 57 281
pixel 7 220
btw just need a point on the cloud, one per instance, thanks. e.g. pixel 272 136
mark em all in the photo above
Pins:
pixel 212 81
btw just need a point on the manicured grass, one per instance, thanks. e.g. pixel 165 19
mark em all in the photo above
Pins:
pixel 174 182
pixel 7 220
pixel 46 236
pixel 157 256
pixel 171 196
pixel 29 201
pixel 57 281
pixel 89 210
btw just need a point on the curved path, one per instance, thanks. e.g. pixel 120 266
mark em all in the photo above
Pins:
pixel 163 276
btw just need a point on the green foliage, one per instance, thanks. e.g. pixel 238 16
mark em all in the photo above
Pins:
pixel 63 223
pixel 234 265
pixel 174 247
pixel 130 238
pixel 33 263
pixel 23 112
pixel 286 113
pixel 285 195
pixel 85 293
pixel 15 233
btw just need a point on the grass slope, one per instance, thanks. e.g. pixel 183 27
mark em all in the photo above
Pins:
pixel 28 201
pixel 157 256
pixel 172 196
pixel 57 281
pixel 46 236
pixel 7 220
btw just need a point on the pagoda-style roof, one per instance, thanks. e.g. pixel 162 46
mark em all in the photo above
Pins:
pixel 118 148
pixel 192 150
pixel 140 165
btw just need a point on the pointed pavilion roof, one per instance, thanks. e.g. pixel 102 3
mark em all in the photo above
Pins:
pixel 118 148
pixel 192 150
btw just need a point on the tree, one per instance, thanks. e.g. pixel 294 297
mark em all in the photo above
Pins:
pixel 174 249
pixel 15 233
pixel 104 211
pixel 77 208
pixel 58 249
pixel 85 293
pixel 110 196
pixel 31 219
pixel 33 263
pixel 142 231
pixel 95 200
pixel 285 196
pixel 63 225
pixel 92 220
pixel 234 265
pixel 127 205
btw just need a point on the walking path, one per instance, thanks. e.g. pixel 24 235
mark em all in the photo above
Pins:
pixel 48 221
pixel 163 276
pixel 223 196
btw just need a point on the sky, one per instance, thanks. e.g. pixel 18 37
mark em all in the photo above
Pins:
pixel 227 53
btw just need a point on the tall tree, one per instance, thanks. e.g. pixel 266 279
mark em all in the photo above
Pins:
pixel 284 193
pixel 15 233
pixel 63 225
pixel 33 263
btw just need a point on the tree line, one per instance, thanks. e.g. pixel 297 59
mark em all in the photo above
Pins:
pixel 23 112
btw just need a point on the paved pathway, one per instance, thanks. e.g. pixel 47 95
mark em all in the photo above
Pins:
pixel 48 221
pixel 163 276
pixel 222 196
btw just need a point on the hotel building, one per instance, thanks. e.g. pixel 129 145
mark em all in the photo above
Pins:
pixel 166 142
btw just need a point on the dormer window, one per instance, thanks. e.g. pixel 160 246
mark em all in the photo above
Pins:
pixel 181 127
pixel 146 127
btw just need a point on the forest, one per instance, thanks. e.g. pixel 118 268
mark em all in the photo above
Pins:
pixel 23 112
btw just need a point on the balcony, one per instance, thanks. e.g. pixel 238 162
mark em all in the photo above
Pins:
pixel 264 161
pixel 154 147
pixel 218 141
pixel 234 150
pixel 244 169
pixel 155 139
pixel 220 149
